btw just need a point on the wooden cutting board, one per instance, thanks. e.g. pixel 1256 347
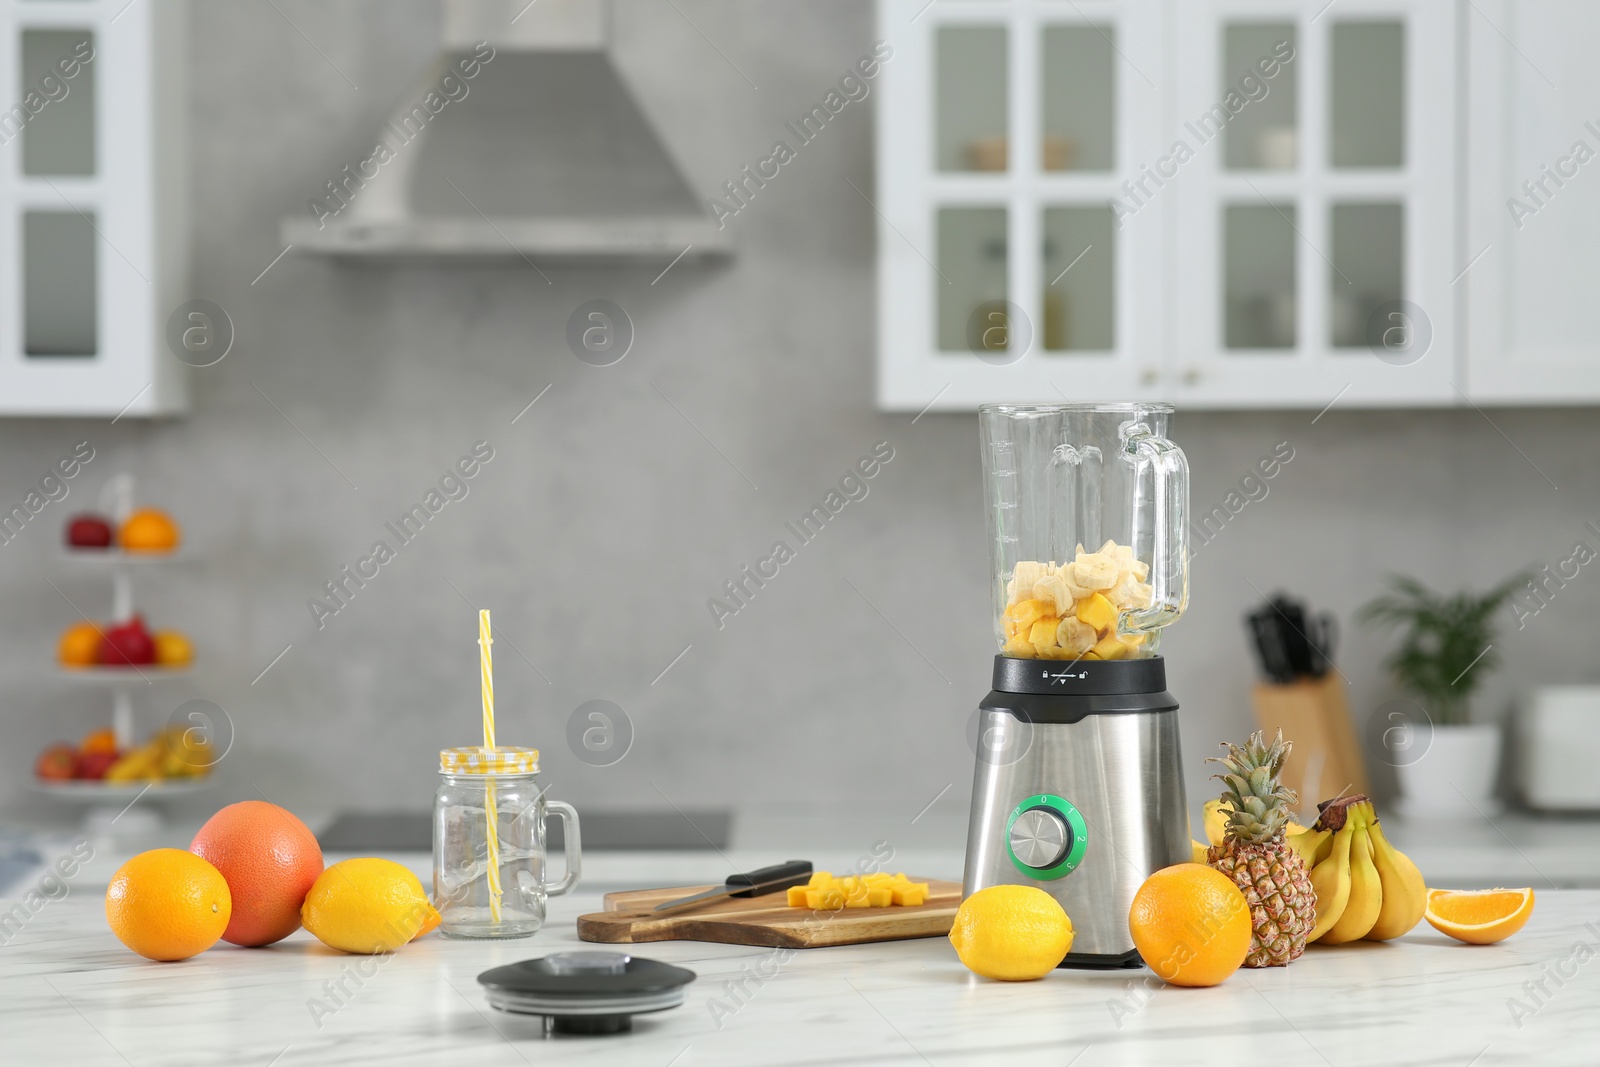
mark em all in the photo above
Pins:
pixel 765 920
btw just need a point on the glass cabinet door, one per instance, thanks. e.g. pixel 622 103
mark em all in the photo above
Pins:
pixel 93 195
pixel 1223 203
pixel 1322 197
pixel 970 105
pixel 1007 271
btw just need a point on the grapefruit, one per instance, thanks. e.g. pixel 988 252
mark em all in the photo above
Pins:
pixel 270 860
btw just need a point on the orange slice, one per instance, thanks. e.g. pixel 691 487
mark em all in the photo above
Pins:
pixel 1479 916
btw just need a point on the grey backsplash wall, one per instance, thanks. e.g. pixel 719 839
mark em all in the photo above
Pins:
pixel 623 499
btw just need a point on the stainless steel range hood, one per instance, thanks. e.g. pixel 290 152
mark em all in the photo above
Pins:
pixel 518 141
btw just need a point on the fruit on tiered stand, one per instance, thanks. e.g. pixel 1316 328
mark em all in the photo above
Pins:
pixel 146 530
pixel 172 753
pixel 126 644
pixel 89 531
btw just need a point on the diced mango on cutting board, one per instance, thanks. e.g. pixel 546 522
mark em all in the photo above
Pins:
pixel 878 890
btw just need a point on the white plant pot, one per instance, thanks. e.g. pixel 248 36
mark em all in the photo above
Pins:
pixel 1455 775
pixel 1557 748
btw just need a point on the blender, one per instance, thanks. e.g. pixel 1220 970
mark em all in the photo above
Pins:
pixel 1079 784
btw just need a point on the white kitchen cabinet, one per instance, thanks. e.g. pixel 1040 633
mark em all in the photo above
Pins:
pixel 1263 194
pixel 92 174
pixel 1005 129
pixel 1533 196
pixel 1319 217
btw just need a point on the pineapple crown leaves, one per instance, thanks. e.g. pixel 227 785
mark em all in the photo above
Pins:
pixel 1261 804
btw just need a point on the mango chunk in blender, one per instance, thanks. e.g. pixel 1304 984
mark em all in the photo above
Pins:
pixel 1027 612
pixel 1043 635
pixel 1117 646
pixel 1082 599
pixel 1018 647
pixel 1095 610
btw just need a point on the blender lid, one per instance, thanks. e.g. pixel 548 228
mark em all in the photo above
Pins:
pixel 566 985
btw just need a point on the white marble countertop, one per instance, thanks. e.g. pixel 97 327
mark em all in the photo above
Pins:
pixel 70 993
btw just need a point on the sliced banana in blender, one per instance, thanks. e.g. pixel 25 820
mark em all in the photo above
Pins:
pixel 1069 576
pixel 1054 589
pixel 1095 571
pixel 1129 593
pixel 1070 611
pixel 1075 636
pixel 1023 578
pixel 1118 552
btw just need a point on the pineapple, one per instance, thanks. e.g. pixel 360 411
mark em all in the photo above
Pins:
pixel 1256 855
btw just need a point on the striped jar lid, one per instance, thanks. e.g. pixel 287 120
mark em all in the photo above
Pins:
pixel 480 760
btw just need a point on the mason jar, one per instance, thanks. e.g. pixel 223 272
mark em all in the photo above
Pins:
pixel 494 795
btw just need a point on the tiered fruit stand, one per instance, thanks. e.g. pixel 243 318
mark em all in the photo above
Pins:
pixel 110 801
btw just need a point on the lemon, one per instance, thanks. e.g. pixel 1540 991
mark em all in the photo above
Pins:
pixel 1011 932
pixel 367 906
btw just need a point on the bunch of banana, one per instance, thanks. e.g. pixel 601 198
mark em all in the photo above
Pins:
pixel 174 752
pixel 1366 888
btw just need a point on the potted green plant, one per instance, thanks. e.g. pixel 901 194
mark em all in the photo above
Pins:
pixel 1446 763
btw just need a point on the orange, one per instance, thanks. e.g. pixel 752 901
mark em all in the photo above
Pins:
pixel 172 648
pixel 168 904
pixel 149 530
pixel 1191 924
pixel 270 860
pixel 1479 916
pixel 101 741
pixel 80 644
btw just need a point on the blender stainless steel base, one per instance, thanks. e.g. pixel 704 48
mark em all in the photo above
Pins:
pixel 1079 791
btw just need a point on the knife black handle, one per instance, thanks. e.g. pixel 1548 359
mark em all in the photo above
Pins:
pixel 772 879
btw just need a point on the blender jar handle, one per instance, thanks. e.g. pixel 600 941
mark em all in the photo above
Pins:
pixel 1169 563
pixel 573 847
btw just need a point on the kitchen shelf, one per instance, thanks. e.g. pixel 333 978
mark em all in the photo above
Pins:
pixel 87 791
pixel 122 676
pixel 116 558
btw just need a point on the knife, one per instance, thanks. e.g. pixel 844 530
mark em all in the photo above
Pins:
pixel 750 884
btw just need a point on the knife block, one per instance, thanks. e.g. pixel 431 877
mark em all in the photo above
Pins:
pixel 1315 715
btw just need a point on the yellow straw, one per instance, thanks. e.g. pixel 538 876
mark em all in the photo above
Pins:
pixel 492 831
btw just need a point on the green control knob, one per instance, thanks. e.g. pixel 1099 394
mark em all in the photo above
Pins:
pixel 1046 837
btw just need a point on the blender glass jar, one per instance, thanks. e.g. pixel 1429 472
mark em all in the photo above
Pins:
pixel 1087 525
pixel 472 782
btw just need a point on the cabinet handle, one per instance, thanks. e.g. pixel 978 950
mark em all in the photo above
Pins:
pixel 1191 376
pixel 1149 376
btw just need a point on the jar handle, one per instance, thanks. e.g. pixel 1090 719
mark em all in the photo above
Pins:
pixel 1169 563
pixel 573 847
